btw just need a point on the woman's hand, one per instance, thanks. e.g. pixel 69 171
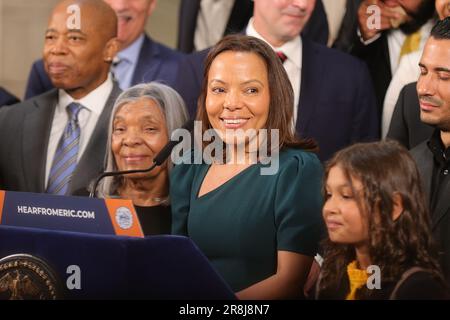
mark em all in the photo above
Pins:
pixel 287 283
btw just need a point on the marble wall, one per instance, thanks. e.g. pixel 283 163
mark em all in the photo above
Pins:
pixel 22 27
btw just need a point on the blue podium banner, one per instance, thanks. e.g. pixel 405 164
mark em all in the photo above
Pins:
pixel 73 265
pixel 68 213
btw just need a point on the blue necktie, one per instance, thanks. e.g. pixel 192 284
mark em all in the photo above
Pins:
pixel 65 160
pixel 120 69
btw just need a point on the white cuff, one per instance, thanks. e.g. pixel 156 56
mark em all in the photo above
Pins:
pixel 369 41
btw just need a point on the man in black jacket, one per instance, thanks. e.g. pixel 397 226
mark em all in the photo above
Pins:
pixel 381 46
pixel 406 126
pixel 433 156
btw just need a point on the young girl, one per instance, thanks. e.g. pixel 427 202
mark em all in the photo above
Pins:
pixel 380 244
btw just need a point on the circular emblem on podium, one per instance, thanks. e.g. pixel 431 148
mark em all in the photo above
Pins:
pixel 25 277
pixel 124 218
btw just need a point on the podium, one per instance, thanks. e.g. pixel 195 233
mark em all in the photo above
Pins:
pixel 118 267
pixel 70 264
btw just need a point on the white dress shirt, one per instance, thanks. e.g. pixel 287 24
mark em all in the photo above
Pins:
pixel 93 105
pixel 335 11
pixel 408 71
pixel 395 40
pixel 293 64
pixel 212 21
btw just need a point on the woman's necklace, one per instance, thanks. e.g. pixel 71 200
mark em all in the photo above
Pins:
pixel 160 200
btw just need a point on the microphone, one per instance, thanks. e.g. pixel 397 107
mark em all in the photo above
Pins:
pixel 165 152
pixel 157 161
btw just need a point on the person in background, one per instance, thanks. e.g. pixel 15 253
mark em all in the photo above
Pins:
pixel 335 11
pixel 334 101
pixel 378 226
pixel 260 232
pixel 433 155
pixel 143 119
pixel 403 27
pixel 140 59
pixel 405 125
pixel 408 70
pixel 55 143
pixel 202 23
pixel 347 35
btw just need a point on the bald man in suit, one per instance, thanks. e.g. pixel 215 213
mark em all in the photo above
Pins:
pixel 56 142
pixel 140 59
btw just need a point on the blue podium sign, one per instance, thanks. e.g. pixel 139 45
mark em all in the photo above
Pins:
pixel 73 265
pixel 67 213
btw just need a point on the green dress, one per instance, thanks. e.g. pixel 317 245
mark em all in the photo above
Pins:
pixel 242 224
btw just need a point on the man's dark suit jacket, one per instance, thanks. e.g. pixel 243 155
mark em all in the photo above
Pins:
pixel 440 218
pixel 347 35
pixel 376 55
pixel 406 126
pixel 242 11
pixel 337 104
pixel 25 131
pixel 156 62
pixel 7 98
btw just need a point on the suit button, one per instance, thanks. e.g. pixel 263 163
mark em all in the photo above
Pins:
pixel 445 172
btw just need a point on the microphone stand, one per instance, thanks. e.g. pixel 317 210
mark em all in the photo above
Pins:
pixel 117 173
pixel 157 161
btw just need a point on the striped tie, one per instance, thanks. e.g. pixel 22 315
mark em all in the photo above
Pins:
pixel 65 160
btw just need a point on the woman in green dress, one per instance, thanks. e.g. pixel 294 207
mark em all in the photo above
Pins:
pixel 260 231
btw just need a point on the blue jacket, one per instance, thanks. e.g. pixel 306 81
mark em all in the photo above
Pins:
pixel 155 62
pixel 7 98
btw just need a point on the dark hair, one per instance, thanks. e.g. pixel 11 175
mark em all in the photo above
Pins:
pixel 383 168
pixel 422 15
pixel 281 93
pixel 441 30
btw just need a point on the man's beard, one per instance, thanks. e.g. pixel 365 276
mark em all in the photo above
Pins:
pixel 419 18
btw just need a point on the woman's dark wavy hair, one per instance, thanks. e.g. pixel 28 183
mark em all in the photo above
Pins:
pixel 383 168
pixel 281 93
